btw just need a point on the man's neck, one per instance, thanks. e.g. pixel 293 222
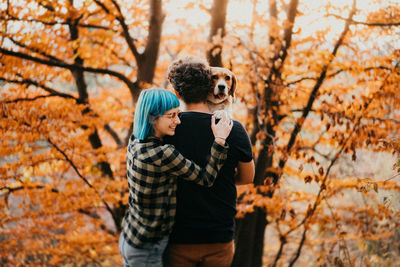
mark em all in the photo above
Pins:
pixel 198 107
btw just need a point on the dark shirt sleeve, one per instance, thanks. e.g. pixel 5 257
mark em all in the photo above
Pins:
pixel 176 164
pixel 239 140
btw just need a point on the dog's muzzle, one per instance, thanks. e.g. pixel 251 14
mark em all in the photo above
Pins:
pixel 220 90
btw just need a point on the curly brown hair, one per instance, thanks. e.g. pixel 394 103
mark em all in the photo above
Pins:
pixel 191 78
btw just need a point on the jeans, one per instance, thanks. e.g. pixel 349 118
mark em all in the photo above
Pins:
pixel 142 257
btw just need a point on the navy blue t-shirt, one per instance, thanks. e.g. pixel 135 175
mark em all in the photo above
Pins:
pixel 206 215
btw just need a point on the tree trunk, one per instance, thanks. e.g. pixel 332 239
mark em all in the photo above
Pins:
pixel 257 221
pixel 79 77
pixel 249 240
pixel 218 20
pixel 147 61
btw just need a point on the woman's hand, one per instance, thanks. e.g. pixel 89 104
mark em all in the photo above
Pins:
pixel 221 129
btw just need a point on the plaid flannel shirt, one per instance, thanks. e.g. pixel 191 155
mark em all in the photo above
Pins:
pixel 152 172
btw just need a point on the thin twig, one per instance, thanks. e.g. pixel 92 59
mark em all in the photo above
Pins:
pixel 80 175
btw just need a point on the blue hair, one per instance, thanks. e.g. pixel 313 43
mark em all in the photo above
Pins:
pixel 151 104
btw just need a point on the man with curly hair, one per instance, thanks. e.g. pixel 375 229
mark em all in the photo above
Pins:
pixel 204 223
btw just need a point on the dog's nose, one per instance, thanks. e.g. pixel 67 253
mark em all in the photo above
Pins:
pixel 221 87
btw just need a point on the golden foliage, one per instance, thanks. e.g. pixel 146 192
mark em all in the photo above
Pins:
pixel 66 109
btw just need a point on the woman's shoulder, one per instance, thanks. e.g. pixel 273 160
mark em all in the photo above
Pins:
pixel 150 150
pixel 168 150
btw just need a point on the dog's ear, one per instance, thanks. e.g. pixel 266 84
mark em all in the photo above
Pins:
pixel 177 94
pixel 233 87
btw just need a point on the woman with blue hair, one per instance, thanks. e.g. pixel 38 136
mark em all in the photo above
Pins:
pixel 152 172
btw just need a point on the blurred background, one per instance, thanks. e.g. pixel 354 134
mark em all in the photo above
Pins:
pixel 317 91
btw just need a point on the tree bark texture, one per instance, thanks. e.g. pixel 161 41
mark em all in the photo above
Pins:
pixel 147 61
pixel 79 77
pixel 218 20
pixel 251 229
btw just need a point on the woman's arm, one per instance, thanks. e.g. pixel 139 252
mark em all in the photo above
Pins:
pixel 176 164
pixel 186 169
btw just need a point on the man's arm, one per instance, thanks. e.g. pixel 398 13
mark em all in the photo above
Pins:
pixel 245 173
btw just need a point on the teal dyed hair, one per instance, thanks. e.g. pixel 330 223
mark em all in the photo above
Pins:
pixel 151 104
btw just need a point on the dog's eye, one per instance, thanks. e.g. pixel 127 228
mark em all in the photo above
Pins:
pixel 214 77
pixel 227 78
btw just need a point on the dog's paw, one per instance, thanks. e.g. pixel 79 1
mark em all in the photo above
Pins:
pixel 219 114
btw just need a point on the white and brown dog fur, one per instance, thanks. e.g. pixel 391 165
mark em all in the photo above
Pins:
pixel 222 93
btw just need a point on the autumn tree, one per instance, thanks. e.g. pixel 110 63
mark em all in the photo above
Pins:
pixel 315 99
pixel 317 93
pixel 217 32
pixel 68 69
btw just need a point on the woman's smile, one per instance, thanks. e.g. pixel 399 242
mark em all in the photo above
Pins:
pixel 166 124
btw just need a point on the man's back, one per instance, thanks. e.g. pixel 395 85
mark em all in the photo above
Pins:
pixel 206 215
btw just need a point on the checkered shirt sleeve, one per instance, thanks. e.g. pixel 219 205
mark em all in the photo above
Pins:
pixel 152 169
pixel 177 165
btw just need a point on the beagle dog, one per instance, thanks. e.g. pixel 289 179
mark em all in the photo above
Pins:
pixel 222 93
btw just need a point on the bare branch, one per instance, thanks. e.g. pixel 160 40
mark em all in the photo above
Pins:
pixel 55 190
pixel 100 4
pixel 291 16
pixel 79 174
pixel 53 23
pixel 303 238
pixel 300 80
pixel 318 84
pixel 27 99
pixel 17 188
pixel 35 50
pixel 113 134
pixel 283 242
pixel 52 92
pixel 46 5
pixel 60 64
pixel 257 110
pixel 319 197
pixel 94 215
pixel 351 119
pixel 115 54
pixel 371 24
pixel 125 30
pixel 336 73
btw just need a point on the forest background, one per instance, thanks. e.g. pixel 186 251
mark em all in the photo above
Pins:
pixel 318 94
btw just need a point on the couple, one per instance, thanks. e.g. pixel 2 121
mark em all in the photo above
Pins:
pixel 185 199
